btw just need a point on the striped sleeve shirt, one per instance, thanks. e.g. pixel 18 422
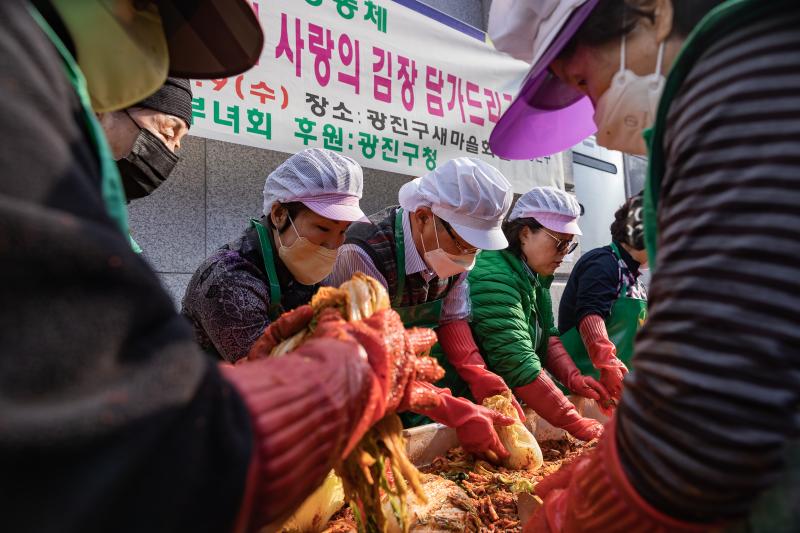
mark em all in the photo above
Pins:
pixel 352 258
pixel 714 402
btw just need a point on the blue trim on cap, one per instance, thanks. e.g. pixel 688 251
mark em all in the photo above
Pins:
pixel 443 18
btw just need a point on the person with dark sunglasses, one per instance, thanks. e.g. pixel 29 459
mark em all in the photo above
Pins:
pixel 512 315
pixel 563 246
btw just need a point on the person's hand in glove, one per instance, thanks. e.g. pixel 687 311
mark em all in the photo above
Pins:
pixel 310 407
pixel 544 397
pixel 392 353
pixel 474 424
pixel 603 354
pixel 287 325
pixel 593 493
pixel 563 368
pixel 462 352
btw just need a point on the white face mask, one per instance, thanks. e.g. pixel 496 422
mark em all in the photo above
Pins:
pixel 444 264
pixel 309 263
pixel 629 107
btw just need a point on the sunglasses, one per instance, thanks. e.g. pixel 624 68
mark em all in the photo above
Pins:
pixel 566 246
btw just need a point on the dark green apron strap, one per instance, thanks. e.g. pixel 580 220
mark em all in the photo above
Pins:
pixel 275 308
pixel 424 315
pixel 716 22
pixel 399 257
pixel 615 251
pixel 111 183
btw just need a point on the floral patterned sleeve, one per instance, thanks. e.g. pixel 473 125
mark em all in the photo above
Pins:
pixel 227 301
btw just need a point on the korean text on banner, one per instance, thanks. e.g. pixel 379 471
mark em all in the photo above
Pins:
pixel 374 80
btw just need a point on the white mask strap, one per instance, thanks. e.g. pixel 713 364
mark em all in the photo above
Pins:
pixel 278 233
pixel 622 53
pixel 422 240
pixel 660 58
pixel 436 232
pixel 293 227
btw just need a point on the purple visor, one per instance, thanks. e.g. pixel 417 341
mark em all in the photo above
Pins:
pixel 548 115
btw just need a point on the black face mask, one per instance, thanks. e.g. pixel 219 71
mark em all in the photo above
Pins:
pixel 147 166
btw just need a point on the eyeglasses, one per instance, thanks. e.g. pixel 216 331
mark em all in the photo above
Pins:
pixel 455 238
pixel 566 246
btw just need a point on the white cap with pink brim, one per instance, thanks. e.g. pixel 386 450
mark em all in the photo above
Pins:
pixel 553 208
pixel 328 183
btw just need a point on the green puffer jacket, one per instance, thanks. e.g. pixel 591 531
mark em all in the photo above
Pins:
pixel 512 316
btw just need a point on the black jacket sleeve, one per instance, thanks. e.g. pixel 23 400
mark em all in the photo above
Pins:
pixel 110 418
pixel 591 289
pixel 597 286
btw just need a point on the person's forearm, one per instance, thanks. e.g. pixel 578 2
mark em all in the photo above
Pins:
pixel 462 352
pixel 303 407
pixel 712 406
pixel 593 493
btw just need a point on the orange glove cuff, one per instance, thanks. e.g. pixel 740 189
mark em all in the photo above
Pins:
pixel 601 350
pixel 594 494
pixel 462 352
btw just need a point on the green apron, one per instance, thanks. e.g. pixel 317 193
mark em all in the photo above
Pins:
pixel 111 184
pixel 275 309
pixel 774 511
pixel 424 315
pixel 626 318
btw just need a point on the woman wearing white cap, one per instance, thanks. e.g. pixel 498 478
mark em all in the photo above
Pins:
pixel 512 315
pixel 706 434
pixel 421 251
pixel 277 264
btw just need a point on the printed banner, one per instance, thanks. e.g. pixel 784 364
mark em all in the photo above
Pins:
pixel 375 80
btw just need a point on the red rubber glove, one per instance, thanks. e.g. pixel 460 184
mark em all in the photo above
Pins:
pixel 544 397
pixel 593 494
pixel 563 368
pixel 391 350
pixel 474 424
pixel 311 407
pixel 462 352
pixel 303 408
pixel 603 354
pixel 281 329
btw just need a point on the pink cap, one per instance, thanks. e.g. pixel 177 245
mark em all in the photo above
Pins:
pixel 551 207
pixel 326 182
pixel 335 206
pixel 557 222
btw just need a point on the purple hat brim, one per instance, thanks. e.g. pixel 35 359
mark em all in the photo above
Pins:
pixel 548 115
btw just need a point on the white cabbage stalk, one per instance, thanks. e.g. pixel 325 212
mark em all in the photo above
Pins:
pixel 525 453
